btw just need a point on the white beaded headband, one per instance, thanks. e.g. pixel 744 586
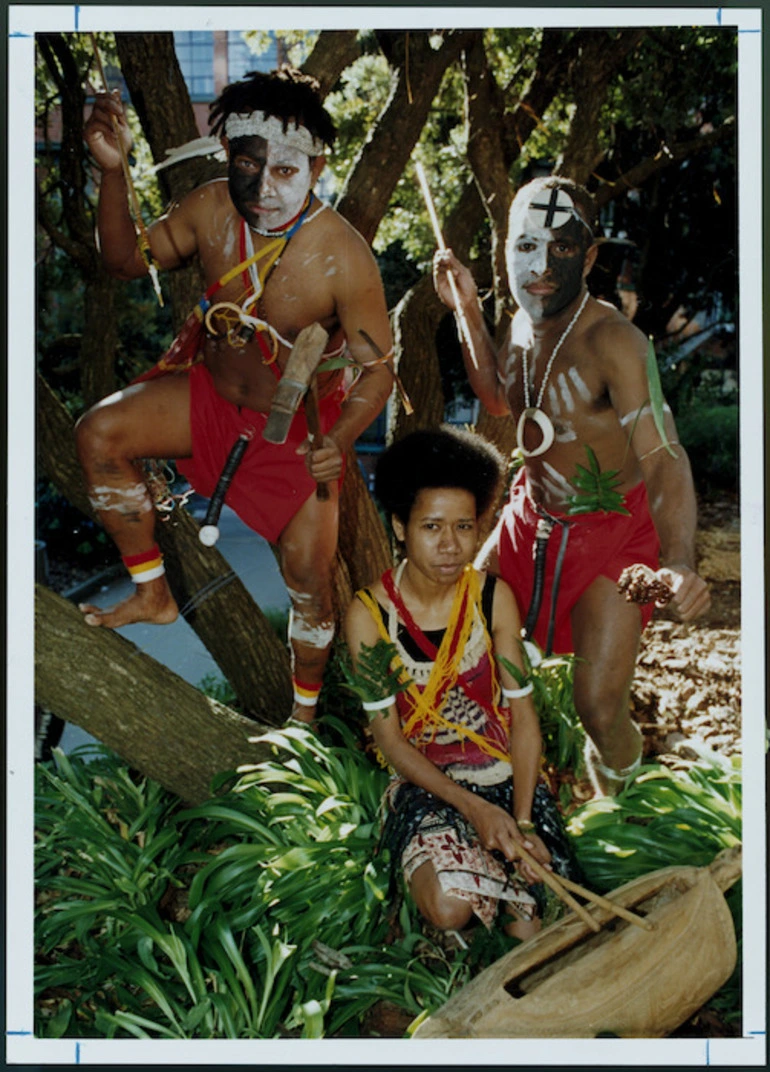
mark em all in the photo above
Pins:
pixel 270 127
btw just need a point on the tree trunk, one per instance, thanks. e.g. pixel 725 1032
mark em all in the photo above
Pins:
pixel 158 723
pixel 99 340
pixel 601 53
pixel 73 228
pixel 383 158
pixel 363 541
pixel 333 51
pixel 210 595
pixel 485 106
pixel 417 317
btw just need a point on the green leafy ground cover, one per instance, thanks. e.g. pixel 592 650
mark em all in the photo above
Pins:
pixel 266 912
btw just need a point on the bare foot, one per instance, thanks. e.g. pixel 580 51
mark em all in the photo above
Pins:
pixel 151 602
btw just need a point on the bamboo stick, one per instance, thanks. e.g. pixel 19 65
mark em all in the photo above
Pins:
pixel 555 884
pixel 610 906
pixel 464 329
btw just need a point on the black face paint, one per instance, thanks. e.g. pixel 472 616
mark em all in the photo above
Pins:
pixel 245 184
pixel 565 269
pixel 545 265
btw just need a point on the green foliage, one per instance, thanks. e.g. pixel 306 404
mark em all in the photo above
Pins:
pixel 709 434
pixel 560 726
pixel 596 489
pixel 656 397
pixel 662 818
pixel 374 677
pixel 265 912
pixel 552 694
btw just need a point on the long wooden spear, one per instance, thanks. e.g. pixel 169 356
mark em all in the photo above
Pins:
pixel 465 331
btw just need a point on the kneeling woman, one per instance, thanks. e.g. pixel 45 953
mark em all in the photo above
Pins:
pixel 463 738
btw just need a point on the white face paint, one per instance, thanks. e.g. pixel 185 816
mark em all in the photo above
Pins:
pixel 268 181
pixel 545 263
pixel 526 259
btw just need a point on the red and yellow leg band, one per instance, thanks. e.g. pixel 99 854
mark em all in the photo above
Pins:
pixel 305 695
pixel 145 566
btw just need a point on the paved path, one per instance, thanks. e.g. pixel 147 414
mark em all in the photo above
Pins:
pixel 177 646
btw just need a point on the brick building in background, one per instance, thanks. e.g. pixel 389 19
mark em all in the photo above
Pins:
pixel 210 60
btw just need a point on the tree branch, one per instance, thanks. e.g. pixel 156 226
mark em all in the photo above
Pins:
pixel 665 157
pixel 333 51
pixel 383 158
pixel 154 719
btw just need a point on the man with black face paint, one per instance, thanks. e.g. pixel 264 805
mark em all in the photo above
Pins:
pixel 572 374
pixel 275 259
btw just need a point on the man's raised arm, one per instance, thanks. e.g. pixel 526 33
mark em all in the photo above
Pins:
pixel 171 239
pixel 483 374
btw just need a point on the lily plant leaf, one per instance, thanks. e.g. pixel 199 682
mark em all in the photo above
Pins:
pixel 656 397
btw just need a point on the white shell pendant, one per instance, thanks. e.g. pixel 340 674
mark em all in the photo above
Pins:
pixel 543 421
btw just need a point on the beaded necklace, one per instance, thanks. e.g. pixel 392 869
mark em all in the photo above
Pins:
pixel 535 413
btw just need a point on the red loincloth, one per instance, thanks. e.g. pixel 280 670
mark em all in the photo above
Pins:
pixel 599 545
pixel 272 481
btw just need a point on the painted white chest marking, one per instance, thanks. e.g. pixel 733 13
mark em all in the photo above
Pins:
pixel 556 483
pixel 566 394
pixel 579 383
pixel 553 401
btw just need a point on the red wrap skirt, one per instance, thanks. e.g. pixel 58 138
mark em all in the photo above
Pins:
pixel 599 545
pixel 272 481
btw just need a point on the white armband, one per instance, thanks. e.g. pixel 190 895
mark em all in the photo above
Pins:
pixel 378 705
pixel 516 694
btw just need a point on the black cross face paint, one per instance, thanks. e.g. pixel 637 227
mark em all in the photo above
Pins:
pixel 268 181
pixel 545 260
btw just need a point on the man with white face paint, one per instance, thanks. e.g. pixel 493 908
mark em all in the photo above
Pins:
pixel 275 259
pixel 572 374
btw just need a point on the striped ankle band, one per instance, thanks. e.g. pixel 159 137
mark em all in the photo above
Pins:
pixel 305 695
pixel 145 566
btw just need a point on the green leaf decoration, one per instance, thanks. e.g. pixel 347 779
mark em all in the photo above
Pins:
pixel 521 677
pixel 377 673
pixel 331 364
pixel 596 490
pixel 656 397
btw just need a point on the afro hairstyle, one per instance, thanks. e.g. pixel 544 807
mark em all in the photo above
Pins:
pixel 445 457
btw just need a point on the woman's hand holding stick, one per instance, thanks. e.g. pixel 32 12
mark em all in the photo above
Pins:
pixel 560 885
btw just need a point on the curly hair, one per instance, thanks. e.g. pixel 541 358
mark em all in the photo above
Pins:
pixel 445 457
pixel 285 93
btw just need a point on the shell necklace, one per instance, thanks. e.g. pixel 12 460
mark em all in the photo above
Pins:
pixel 535 413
